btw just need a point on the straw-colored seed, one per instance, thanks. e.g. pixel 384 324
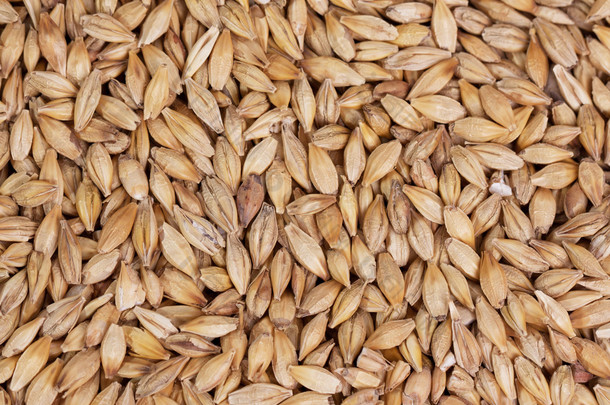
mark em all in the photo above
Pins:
pixel 444 27
pixel 316 379
pixel 30 363
pixel 106 28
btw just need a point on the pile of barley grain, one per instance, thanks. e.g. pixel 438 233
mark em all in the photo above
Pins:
pixel 304 202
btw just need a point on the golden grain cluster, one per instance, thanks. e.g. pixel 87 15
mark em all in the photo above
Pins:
pixel 304 202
